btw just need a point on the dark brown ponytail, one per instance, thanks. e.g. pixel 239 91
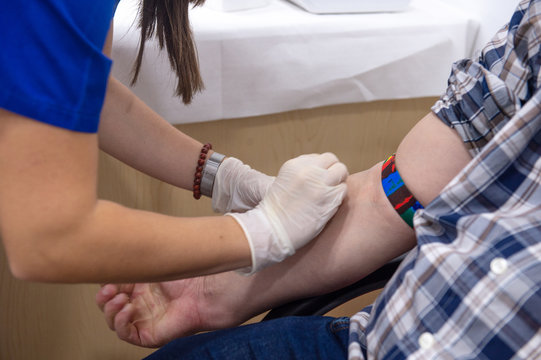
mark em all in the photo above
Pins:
pixel 168 19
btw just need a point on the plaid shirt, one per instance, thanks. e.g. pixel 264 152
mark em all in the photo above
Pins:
pixel 471 288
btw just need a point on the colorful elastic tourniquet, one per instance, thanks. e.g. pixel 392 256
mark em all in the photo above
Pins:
pixel 398 194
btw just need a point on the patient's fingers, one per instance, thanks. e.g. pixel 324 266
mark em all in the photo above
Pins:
pixel 124 327
pixel 113 307
pixel 104 294
pixel 126 288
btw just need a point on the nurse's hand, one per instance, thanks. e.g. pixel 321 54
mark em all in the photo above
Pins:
pixel 304 196
pixel 238 187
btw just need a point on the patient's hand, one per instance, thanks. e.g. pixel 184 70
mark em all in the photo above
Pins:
pixel 151 315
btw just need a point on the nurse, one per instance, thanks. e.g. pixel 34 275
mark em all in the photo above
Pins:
pixel 59 105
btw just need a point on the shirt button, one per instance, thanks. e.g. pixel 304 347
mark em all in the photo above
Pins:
pixel 498 266
pixel 426 340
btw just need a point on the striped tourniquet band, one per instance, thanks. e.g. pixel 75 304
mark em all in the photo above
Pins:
pixel 398 194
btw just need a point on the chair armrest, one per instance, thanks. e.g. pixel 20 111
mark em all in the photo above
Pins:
pixel 320 305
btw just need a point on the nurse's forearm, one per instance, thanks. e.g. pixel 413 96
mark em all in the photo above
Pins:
pixel 112 243
pixel 138 136
pixel 54 228
pixel 135 134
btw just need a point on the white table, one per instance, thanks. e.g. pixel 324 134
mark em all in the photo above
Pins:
pixel 280 58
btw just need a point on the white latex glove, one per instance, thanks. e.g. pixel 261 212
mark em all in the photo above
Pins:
pixel 304 196
pixel 238 187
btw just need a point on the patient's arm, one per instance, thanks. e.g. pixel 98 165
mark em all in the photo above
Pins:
pixel 364 234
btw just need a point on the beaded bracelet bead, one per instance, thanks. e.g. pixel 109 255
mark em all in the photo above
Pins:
pixel 199 170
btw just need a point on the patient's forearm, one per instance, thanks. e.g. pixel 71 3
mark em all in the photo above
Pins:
pixel 365 233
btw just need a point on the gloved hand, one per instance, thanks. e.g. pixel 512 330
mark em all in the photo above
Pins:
pixel 237 187
pixel 304 196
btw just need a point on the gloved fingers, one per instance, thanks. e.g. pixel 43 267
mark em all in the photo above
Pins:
pixel 323 161
pixel 341 191
pixel 336 174
pixel 326 160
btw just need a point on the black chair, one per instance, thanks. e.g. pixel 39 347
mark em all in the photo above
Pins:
pixel 320 305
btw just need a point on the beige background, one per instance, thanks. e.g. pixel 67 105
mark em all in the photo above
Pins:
pixel 43 321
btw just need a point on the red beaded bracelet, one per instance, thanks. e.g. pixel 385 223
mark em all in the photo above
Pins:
pixel 199 171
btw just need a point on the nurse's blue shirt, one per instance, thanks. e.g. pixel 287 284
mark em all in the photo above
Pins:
pixel 52 68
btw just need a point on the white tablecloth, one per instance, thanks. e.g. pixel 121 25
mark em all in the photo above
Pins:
pixel 279 58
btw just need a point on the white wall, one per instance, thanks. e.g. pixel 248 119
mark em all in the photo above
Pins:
pixel 492 14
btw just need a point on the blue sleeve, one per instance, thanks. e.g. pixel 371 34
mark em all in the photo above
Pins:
pixel 52 68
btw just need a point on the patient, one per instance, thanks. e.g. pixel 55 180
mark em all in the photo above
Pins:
pixel 471 286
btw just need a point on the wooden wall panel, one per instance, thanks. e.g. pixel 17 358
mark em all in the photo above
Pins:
pixel 43 321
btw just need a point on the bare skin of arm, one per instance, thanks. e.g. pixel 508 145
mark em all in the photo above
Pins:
pixel 135 134
pixel 364 234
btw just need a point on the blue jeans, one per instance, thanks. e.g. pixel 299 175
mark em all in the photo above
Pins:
pixel 312 337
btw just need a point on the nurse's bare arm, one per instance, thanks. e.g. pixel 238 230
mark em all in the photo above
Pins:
pixel 54 227
pixel 365 233
pixel 135 134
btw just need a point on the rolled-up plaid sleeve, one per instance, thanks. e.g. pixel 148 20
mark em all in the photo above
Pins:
pixel 484 93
